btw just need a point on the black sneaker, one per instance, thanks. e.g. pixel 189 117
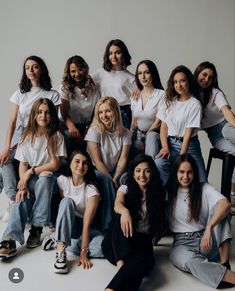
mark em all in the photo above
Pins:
pixel 7 248
pixel 34 239
pixel 61 266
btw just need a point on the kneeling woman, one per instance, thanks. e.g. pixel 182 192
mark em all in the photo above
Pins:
pixel 200 225
pixel 139 208
pixel 77 209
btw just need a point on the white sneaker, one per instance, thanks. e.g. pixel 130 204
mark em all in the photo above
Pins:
pixel 6 215
pixel 61 265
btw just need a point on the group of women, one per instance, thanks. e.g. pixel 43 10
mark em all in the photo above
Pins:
pixel 155 130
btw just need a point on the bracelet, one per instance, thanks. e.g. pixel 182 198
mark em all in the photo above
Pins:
pixel 84 250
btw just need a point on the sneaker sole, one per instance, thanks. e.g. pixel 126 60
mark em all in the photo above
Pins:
pixel 60 271
pixel 7 256
pixel 33 246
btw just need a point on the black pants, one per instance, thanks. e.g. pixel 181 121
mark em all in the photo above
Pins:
pixel 137 253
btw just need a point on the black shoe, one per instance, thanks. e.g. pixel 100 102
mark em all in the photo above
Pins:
pixel 222 284
pixel 7 248
pixel 227 265
pixel 34 239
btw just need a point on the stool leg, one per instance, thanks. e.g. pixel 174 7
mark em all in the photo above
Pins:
pixel 209 163
pixel 227 172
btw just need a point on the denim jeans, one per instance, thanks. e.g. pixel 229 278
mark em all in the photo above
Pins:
pixel 36 208
pixel 126 115
pixel 69 229
pixel 194 150
pixel 9 176
pixel 222 137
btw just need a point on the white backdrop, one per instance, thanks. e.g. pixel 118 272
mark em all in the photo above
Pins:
pixel 169 32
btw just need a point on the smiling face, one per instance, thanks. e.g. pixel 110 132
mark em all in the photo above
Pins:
pixel 115 57
pixel 205 78
pixel 79 165
pixel 185 174
pixel 32 71
pixel 105 114
pixel 142 174
pixel 43 117
pixel 144 75
pixel 181 85
pixel 76 73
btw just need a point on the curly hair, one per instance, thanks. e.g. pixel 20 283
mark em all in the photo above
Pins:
pixel 52 127
pixel 171 94
pixel 44 80
pixel 126 57
pixel 156 81
pixel 86 85
pixel 155 196
pixel 195 188
pixel 117 125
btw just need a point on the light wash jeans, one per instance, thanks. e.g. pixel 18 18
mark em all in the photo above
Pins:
pixel 69 229
pixel 36 207
pixel 194 150
pixel 222 137
pixel 187 256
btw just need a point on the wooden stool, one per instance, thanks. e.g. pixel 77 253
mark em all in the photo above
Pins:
pixel 227 169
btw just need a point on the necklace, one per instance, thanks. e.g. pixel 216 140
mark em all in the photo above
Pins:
pixel 186 196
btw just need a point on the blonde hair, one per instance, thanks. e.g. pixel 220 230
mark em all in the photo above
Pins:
pixel 117 125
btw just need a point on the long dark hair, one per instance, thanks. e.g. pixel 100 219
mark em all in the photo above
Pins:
pixel 44 80
pixel 204 94
pixel 195 188
pixel 155 196
pixel 170 91
pixel 90 176
pixel 126 57
pixel 153 72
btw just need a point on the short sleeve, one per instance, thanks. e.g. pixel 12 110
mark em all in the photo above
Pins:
pixel 92 135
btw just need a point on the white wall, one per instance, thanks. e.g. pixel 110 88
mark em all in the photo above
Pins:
pixel 169 32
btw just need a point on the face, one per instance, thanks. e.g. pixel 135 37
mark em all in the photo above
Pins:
pixel 181 84
pixel 142 174
pixel 76 73
pixel 105 114
pixel 185 174
pixel 32 70
pixel 43 115
pixel 79 165
pixel 115 56
pixel 205 78
pixel 144 76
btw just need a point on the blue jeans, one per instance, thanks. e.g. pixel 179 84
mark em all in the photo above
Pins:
pixel 69 229
pixel 36 207
pixel 194 150
pixel 126 115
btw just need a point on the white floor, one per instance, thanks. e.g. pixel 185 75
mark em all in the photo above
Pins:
pixel 37 266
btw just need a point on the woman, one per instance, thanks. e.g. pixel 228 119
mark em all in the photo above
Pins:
pixel 217 120
pixel 139 208
pixel 35 83
pixel 145 125
pixel 181 120
pixel 77 210
pixel 79 96
pixel 40 151
pixel 198 218
pixel 108 143
pixel 114 79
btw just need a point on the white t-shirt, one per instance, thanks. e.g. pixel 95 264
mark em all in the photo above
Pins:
pixel 110 145
pixel 145 117
pixel 25 101
pixel 143 224
pixel 117 84
pixel 36 154
pixel 212 114
pixel 179 220
pixel 181 115
pixel 80 194
pixel 81 107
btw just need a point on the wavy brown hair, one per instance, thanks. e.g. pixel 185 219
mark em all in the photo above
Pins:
pixel 51 130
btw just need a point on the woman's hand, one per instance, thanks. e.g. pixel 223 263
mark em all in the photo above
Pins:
pixel 164 153
pixel 20 196
pixel 4 157
pixel 74 132
pixel 22 184
pixel 126 223
pixel 205 245
pixel 84 261
pixel 135 95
